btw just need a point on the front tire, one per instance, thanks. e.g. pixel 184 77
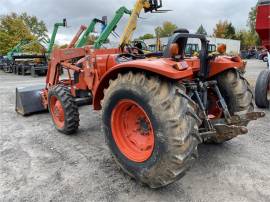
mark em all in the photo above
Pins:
pixel 167 137
pixel 63 109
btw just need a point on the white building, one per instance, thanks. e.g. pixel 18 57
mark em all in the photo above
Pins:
pixel 233 46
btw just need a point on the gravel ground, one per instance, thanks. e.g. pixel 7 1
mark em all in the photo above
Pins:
pixel 39 164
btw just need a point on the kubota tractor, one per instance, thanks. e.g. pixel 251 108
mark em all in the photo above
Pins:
pixel 155 111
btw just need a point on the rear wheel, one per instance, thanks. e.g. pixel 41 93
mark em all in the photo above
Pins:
pixel 238 96
pixel 63 109
pixel 150 127
pixel 265 59
pixel 262 89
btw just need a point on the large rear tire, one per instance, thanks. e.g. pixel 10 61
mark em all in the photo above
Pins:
pixel 265 58
pixel 262 89
pixel 150 127
pixel 63 109
pixel 238 96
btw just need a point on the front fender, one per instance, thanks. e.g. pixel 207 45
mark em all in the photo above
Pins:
pixel 162 67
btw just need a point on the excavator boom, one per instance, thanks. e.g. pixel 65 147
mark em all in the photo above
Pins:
pixel 148 6
pixel 53 36
pixel 83 40
pixel 111 27
pixel 17 48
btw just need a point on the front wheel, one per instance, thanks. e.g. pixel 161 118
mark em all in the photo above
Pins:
pixel 150 127
pixel 63 109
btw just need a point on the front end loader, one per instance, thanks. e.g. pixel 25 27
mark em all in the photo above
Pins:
pixel 155 111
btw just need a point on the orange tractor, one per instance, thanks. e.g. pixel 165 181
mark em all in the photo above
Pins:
pixel 155 110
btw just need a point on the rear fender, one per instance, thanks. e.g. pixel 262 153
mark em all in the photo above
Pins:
pixel 223 63
pixel 161 67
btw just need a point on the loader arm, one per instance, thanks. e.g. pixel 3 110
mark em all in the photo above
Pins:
pixel 82 41
pixel 53 36
pixel 111 27
pixel 17 48
pixel 132 22
pixel 77 36
pixel 148 6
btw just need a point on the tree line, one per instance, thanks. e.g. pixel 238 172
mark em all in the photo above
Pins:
pixel 15 28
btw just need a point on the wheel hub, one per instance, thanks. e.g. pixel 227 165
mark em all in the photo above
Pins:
pixel 132 131
pixel 57 111
pixel 143 126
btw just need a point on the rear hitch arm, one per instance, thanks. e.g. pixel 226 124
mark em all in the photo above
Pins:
pixel 232 130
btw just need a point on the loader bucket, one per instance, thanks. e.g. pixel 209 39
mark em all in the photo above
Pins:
pixel 28 100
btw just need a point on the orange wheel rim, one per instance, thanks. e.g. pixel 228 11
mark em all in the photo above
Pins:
pixel 57 112
pixel 132 131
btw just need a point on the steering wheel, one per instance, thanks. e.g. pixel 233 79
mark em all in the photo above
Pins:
pixel 134 50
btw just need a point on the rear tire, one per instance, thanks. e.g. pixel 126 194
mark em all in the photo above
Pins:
pixel 63 109
pixel 265 59
pixel 172 117
pixel 262 89
pixel 238 96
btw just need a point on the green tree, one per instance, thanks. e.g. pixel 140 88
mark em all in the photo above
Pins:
pixel 147 36
pixel 252 19
pixel 230 31
pixel 166 30
pixel 252 23
pixel 37 27
pixel 14 28
pixel 12 31
pixel 201 30
pixel 158 31
pixel 224 29
pixel 64 46
pixel 220 29
pixel 247 38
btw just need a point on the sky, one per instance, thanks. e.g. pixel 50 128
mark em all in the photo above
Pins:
pixel 189 14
